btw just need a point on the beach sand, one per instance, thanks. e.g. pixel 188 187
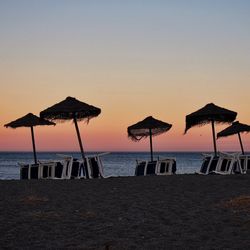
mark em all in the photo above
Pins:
pixel 154 212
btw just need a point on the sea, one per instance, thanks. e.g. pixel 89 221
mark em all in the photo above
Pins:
pixel 114 163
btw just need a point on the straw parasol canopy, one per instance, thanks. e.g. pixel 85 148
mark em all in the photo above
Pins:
pixel 147 127
pixel 29 120
pixel 210 114
pixel 235 128
pixel 71 109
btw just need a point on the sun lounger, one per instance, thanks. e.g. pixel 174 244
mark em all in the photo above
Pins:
pixel 24 171
pixel 67 163
pixel 209 164
pixel 47 170
pixel 59 169
pixel 93 167
pixel 213 164
pixel 68 168
pixel 226 164
pixel 75 171
pixel 166 166
pixel 205 164
pixel 232 164
pixel 140 168
pixel 245 162
pixel 29 171
pixel 90 168
pixel 34 171
pixel 223 164
pixel 151 168
pixel 159 167
pixel 84 170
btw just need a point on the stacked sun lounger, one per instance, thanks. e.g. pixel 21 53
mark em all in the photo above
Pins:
pixel 159 167
pixel 67 168
pixel 224 164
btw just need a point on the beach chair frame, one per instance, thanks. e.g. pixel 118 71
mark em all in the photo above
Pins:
pixel 47 170
pixel 32 171
pixel 94 167
pixel 161 167
pixel 166 166
pixel 244 162
pixel 225 164
pixel 209 164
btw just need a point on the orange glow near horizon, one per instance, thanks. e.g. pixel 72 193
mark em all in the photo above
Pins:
pixel 101 135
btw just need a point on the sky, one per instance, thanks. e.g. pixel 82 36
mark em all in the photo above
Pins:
pixel 132 59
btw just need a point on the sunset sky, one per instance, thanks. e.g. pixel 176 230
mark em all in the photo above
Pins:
pixel 132 59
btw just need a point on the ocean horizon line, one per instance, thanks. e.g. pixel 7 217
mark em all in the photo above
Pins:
pixel 114 151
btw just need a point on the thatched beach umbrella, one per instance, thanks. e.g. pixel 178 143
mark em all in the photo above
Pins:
pixel 31 121
pixel 147 127
pixel 210 114
pixel 71 109
pixel 235 128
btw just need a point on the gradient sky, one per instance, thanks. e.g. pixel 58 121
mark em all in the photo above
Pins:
pixel 132 59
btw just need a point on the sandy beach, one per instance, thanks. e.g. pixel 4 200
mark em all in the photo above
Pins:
pixel 172 212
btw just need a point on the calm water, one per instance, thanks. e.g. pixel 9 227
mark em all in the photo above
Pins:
pixel 116 164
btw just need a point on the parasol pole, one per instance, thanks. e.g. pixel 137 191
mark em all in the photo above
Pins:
pixel 241 145
pixel 79 138
pixel 151 144
pixel 33 143
pixel 213 130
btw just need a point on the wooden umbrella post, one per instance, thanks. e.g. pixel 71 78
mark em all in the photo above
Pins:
pixel 33 143
pixel 151 144
pixel 241 145
pixel 79 138
pixel 214 140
